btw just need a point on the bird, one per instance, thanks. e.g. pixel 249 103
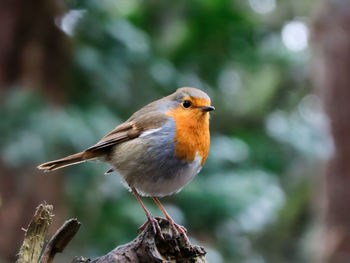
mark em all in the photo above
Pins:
pixel 157 151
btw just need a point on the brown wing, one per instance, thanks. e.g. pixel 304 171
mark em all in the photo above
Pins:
pixel 121 133
pixel 130 129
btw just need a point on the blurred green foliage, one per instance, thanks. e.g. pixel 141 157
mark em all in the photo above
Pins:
pixel 250 203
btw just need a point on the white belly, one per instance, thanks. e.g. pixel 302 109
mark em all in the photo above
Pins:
pixel 167 186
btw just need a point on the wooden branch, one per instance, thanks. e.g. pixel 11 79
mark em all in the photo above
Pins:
pixel 60 240
pixel 147 247
pixel 35 235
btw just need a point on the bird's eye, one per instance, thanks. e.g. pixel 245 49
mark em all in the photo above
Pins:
pixel 186 104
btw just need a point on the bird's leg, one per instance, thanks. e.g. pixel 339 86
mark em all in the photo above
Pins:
pixel 150 219
pixel 174 226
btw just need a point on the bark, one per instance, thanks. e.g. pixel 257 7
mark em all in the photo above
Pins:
pixel 35 235
pixel 332 68
pixel 60 240
pixel 146 247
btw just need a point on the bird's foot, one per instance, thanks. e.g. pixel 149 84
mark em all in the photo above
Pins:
pixel 155 226
pixel 176 228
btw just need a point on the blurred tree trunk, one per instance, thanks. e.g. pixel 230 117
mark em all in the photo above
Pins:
pixel 332 68
pixel 33 54
pixel 33 50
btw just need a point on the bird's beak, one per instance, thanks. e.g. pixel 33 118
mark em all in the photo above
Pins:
pixel 207 108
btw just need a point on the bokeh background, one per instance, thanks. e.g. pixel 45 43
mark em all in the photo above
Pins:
pixel 72 70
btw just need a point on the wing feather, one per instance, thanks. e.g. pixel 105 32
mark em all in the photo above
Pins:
pixel 121 133
pixel 130 129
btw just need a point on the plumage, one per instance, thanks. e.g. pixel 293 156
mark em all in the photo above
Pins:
pixel 159 149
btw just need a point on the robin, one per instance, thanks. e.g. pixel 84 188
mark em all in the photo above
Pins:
pixel 157 151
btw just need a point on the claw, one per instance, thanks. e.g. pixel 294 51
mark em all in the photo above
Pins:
pixel 155 226
pixel 141 228
pixel 183 228
pixel 176 228
pixel 173 225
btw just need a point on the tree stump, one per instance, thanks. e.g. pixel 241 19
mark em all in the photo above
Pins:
pixel 146 247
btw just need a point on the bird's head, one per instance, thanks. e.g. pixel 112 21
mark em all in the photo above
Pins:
pixel 191 103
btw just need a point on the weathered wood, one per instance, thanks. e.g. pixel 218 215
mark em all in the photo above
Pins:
pixel 35 235
pixel 60 240
pixel 148 247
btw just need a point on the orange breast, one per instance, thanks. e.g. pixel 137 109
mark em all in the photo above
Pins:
pixel 192 133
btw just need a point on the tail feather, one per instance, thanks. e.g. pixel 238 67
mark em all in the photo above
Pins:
pixel 63 162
